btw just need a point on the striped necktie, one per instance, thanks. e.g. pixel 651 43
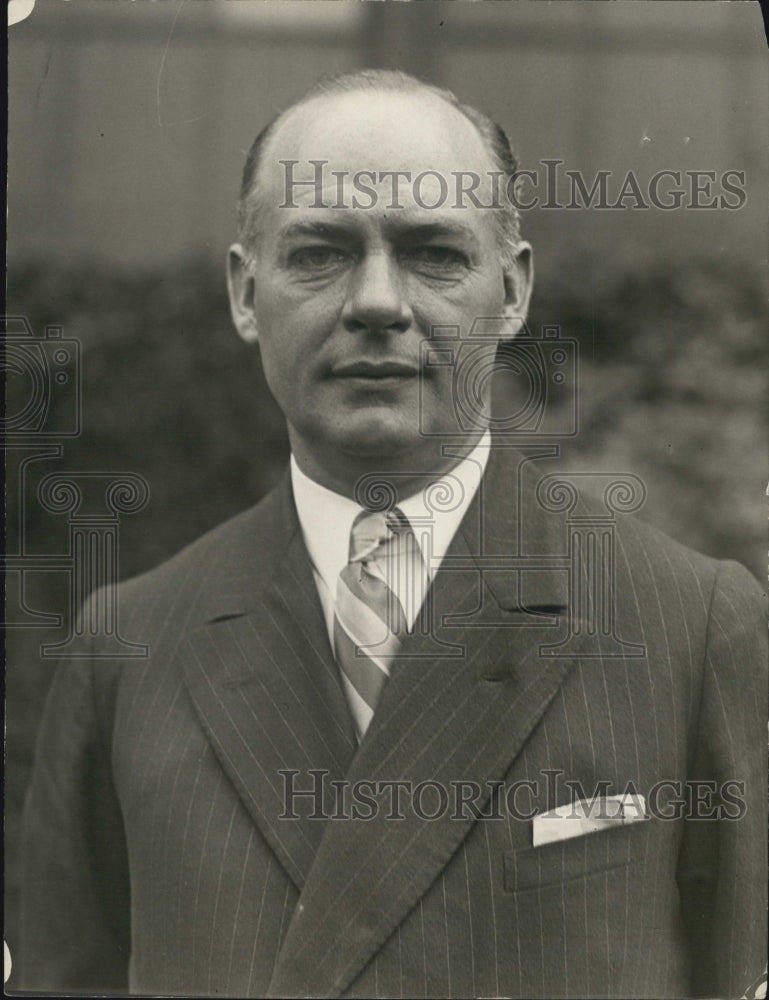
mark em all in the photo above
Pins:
pixel 369 621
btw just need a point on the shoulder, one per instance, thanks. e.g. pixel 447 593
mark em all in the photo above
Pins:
pixel 657 587
pixel 231 558
pixel 714 608
pixel 562 510
pixel 649 555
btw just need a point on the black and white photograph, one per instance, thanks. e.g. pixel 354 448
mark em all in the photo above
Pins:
pixel 387 449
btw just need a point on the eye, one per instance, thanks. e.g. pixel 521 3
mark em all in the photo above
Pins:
pixel 317 258
pixel 438 260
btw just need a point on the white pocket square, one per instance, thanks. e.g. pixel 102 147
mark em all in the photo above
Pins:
pixel 586 816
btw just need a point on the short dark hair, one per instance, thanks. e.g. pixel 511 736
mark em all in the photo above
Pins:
pixel 493 135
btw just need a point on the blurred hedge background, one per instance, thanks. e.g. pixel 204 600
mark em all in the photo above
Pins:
pixel 121 207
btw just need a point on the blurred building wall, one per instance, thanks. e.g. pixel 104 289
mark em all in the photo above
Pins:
pixel 129 121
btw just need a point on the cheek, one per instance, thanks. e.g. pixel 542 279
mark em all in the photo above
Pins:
pixel 291 335
pixel 488 295
pixel 481 296
pixel 280 305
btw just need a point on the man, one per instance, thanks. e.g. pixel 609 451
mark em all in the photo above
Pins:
pixel 337 771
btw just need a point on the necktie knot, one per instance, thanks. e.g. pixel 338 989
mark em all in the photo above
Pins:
pixel 369 532
pixel 372 530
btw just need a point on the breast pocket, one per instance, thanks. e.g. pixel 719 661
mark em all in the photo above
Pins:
pixel 575 857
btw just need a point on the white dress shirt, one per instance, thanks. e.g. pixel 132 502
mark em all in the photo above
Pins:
pixel 326 520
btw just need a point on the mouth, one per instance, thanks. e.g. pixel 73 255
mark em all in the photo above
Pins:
pixel 375 373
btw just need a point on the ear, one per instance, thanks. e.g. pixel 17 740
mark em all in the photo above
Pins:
pixel 240 285
pixel 518 280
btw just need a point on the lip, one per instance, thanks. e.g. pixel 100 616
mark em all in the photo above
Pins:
pixel 375 370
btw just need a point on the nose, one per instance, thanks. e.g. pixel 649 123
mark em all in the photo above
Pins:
pixel 375 299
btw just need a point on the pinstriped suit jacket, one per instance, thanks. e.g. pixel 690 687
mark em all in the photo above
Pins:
pixel 157 859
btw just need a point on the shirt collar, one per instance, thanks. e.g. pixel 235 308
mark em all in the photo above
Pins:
pixel 326 517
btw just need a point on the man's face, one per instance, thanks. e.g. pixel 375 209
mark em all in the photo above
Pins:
pixel 343 299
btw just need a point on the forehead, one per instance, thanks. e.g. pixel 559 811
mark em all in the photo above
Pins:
pixel 374 132
pixel 380 130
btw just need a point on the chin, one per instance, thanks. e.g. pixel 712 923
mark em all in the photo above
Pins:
pixel 378 439
pixel 382 446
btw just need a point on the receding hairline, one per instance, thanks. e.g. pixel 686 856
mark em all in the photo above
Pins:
pixel 493 139
pixel 285 118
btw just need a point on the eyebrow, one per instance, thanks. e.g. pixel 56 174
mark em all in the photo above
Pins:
pixel 435 230
pixel 323 229
pixel 400 226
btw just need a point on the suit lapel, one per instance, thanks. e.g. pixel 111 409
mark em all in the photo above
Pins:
pixel 266 688
pixel 459 706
